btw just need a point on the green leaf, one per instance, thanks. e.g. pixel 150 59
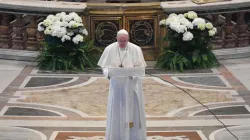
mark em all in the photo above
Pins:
pixel 181 66
pixel 204 56
pixel 195 55
pixel 72 53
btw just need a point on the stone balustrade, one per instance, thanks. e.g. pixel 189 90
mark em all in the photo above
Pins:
pixel 19 19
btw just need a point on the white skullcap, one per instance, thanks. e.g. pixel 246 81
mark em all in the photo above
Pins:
pixel 122 31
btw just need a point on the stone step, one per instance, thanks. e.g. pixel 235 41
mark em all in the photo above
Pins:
pixel 20 55
pixel 232 53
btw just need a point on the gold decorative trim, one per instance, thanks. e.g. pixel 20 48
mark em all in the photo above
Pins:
pixel 123 12
pixel 135 6
pixel 207 1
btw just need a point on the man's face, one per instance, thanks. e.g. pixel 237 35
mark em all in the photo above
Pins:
pixel 122 40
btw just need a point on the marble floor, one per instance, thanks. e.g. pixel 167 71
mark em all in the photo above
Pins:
pixel 38 105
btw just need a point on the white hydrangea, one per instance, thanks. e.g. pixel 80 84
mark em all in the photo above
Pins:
pixel 48 30
pixel 50 17
pixel 180 16
pixel 78 38
pixel 187 36
pixel 172 15
pixel 65 37
pixel 83 31
pixel 67 18
pixel 73 24
pixel 78 19
pixel 58 31
pixel 186 15
pixel 198 21
pixel 215 30
pixel 70 33
pixel 162 22
pixel 191 15
pixel 80 24
pixel 181 29
pixel 40 27
pixel 73 15
pixel 172 19
pixel 211 32
pixel 189 25
pixel 201 26
pixel 61 15
pixel 47 22
pixel 209 26
pixel 64 24
pixel 186 22
pixel 57 23
pixel 176 26
pixel 56 19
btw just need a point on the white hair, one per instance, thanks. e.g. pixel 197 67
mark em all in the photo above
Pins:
pixel 122 31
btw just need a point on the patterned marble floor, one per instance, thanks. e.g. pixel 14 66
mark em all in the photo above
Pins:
pixel 55 106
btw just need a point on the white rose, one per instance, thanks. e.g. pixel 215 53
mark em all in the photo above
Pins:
pixel 187 36
pixel 209 25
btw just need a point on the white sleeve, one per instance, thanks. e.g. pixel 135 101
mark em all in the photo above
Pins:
pixel 105 72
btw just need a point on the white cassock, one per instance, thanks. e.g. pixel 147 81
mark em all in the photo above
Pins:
pixel 121 111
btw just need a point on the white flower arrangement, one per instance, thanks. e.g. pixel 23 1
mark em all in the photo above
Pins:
pixel 64 26
pixel 185 23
